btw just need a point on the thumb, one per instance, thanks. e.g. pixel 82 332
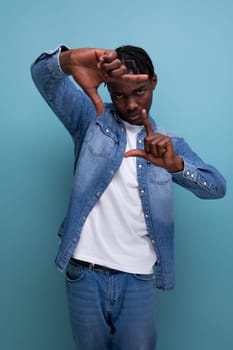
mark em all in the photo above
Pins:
pixel 147 156
pixel 94 96
pixel 136 153
pixel 140 153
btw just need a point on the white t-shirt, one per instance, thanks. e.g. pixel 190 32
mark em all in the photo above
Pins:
pixel 115 233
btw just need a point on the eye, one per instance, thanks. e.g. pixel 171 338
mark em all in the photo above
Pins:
pixel 140 92
pixel 117 96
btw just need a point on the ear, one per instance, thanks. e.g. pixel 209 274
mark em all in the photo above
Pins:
pixel 154 81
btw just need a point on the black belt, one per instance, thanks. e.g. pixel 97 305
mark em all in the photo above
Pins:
pixel 91 266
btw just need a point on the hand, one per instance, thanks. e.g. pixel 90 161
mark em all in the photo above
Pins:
pixel 158 149
pixel 91 67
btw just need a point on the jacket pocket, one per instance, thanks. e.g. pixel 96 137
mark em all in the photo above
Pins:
pixel 159 175
pixel 101 142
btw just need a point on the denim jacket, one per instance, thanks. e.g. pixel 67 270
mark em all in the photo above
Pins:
pixel 99 144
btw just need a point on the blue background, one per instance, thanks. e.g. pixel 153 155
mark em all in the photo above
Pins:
pixel 191 45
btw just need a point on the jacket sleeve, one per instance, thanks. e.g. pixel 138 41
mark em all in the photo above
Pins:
pixel 71 105
pixel 202 179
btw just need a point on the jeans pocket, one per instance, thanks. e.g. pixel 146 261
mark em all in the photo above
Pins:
pixel 75 273
pixel 145 277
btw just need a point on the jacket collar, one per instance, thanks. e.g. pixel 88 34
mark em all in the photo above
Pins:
pixel 110 107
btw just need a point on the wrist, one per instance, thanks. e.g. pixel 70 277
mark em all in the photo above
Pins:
pixel 64 61
pixel 177 166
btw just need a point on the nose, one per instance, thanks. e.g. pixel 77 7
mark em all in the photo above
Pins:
pixel 131 103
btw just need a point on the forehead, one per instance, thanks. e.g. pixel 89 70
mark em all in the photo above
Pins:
pixel 128 86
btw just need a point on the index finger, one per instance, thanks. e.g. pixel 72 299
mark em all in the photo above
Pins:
pixel 119 75
pixel 137 78
pixel 146 122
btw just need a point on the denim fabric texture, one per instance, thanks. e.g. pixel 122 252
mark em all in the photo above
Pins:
pixel 99 144
pixel 111 310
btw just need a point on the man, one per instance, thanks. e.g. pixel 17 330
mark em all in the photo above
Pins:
pixel 119 224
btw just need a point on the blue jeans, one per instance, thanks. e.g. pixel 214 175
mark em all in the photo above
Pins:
pixel 111 310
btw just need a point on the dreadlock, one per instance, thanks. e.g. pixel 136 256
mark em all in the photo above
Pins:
pixel 136 60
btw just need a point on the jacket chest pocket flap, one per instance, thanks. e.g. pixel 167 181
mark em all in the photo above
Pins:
pixel 101 141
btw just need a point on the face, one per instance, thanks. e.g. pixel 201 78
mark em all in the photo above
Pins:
pixel 131 97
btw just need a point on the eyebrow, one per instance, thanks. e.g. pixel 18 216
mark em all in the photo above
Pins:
pixel 143 86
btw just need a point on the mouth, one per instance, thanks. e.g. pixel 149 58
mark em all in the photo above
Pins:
pixel 134 116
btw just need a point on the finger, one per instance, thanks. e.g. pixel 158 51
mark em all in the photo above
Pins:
pixel 147 156
pixel 112 70
pixel 115 64
pixel 105 55
pixel 136 153
pixel 119 75
pixel 146 123
pixel 147 144
pixel 151 146
pixel 137 78
pixel 157 144
pixel 162 144
pixel 93 94
pixel 163 147
pixel 116 73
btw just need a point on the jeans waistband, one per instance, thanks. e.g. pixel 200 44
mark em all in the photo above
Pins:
pixel 91 266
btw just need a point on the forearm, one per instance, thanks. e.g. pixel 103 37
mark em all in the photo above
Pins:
pixel 48 75
pixel 62 95
pixel 204 180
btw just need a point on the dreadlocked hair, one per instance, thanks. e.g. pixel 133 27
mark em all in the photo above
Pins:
pixel 136 60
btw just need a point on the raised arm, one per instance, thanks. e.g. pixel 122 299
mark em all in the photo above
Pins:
pixel 187 169
pixel 158 149
pixel 91 67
